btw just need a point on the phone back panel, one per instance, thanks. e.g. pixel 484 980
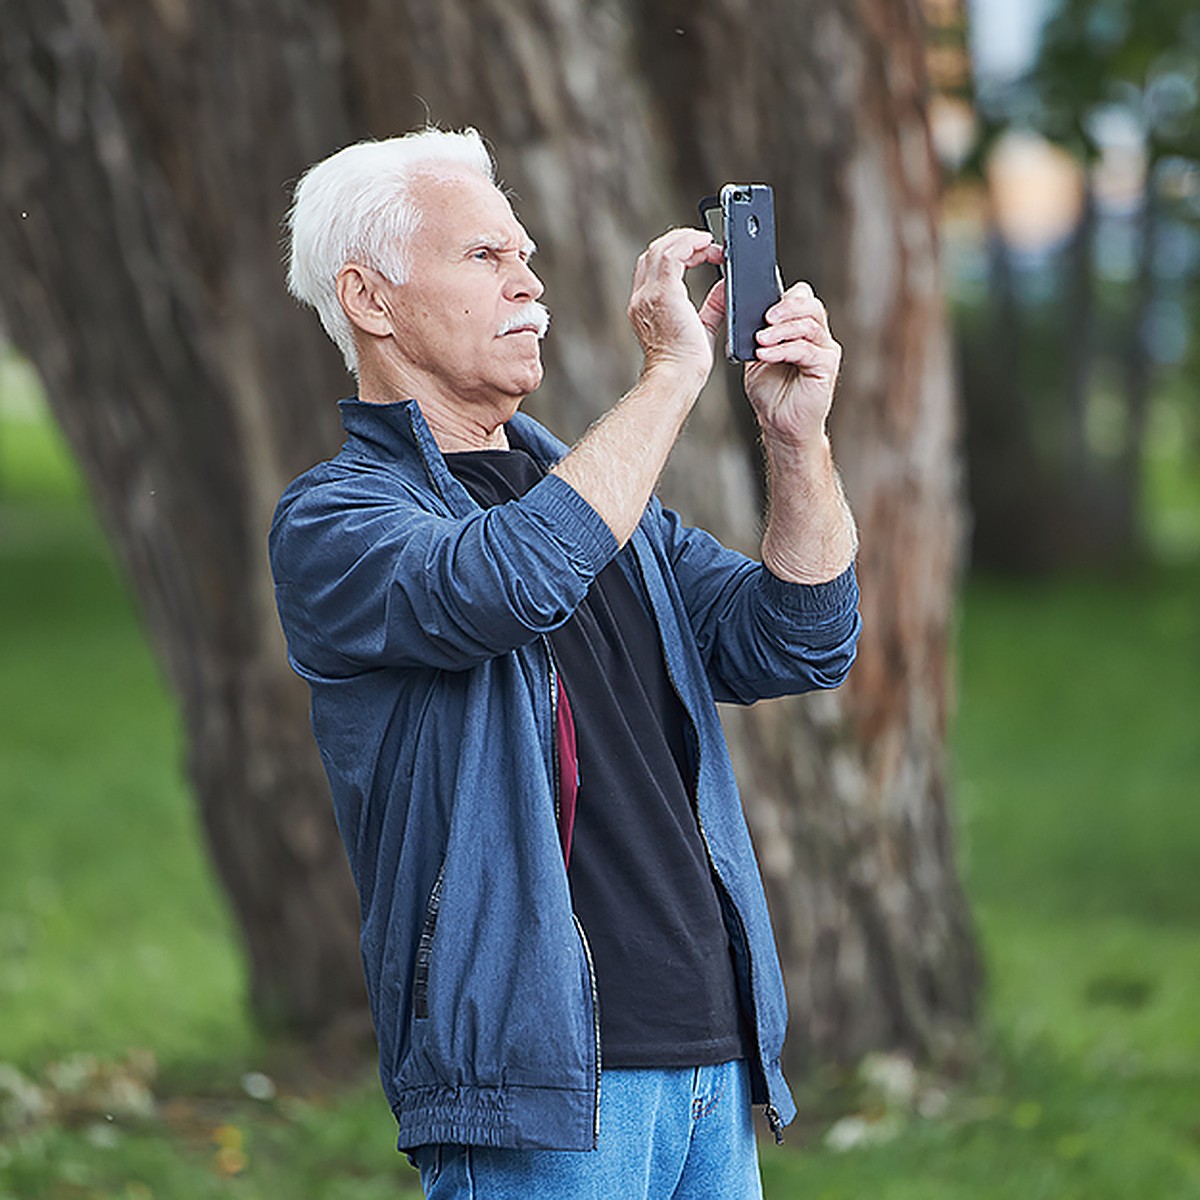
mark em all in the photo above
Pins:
pixel 751 274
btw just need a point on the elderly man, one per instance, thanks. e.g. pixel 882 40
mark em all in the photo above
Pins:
pixel 514 653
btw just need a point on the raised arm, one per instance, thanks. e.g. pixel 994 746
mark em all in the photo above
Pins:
pixel 810 535
pixel 618 461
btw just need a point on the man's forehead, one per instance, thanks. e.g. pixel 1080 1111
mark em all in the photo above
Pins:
pixel 468 206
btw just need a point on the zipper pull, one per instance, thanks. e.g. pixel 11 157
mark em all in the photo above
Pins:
pixel 775 1123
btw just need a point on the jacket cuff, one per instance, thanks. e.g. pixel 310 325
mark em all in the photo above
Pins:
pixel 573 523
pixel 814 601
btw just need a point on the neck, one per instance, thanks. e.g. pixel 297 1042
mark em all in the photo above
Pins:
pixel 456 423
pixel 456 428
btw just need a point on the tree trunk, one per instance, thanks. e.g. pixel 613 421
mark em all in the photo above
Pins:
pixel 156 149
pixel 140 266
pixel 1080 342
pixel 1010 523
pixel 1139 369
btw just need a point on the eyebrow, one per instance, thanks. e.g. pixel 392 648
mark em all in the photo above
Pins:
pixel 498 242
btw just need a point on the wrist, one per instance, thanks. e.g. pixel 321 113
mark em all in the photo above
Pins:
pixel 682 376
pixel 795 448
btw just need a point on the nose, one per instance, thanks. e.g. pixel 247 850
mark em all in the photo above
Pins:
pixel 523 283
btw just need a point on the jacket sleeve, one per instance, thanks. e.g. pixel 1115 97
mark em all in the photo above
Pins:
pixel 760 636
pixel 368 577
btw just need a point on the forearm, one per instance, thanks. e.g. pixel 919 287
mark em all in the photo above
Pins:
pixel 618 461
pixel 810 535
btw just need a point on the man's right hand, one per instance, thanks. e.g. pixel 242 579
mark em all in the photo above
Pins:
pixel 617 463
pixel 672 333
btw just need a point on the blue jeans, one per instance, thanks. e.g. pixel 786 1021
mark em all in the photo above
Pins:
pixel 669 1134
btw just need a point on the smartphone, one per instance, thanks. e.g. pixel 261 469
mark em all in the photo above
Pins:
pixel 742 218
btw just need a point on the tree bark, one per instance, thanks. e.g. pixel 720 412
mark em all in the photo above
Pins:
pixel 155 147
pixel 138 250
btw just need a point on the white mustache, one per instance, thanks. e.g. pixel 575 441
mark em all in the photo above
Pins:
pixel 532 314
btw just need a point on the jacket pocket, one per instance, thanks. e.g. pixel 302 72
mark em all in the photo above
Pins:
pixel 425 947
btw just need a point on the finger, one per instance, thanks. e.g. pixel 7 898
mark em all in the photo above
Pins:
pixel 800 290
pixel 796 310
pixel 681 236
pixel 805 355
pixel 712 310
pixel 639 271
pixel 798 300
pixel 712 253
pixel 808 326
pixel 677 250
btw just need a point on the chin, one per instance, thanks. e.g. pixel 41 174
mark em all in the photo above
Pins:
pixel 530 380
pixel 520 377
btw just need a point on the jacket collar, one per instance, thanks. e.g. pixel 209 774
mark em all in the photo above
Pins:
pixel 399 431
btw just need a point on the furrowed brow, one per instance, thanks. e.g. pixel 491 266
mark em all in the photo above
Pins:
pixel 499 242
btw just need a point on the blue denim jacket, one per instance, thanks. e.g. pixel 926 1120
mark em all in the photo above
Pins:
pixel 419 621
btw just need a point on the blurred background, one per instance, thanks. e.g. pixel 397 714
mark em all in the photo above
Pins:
pixel 1001 202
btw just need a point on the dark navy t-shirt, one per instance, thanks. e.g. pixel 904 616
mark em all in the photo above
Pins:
pixel 640 878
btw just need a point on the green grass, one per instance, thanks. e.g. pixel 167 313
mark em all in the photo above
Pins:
pixel 111 930
pixel 1077 750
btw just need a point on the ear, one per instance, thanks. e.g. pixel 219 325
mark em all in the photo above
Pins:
pixel 360 291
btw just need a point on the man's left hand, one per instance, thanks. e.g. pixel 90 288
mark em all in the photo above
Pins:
pixel 790 385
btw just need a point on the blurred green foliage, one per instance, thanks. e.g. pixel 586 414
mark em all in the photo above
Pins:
pixel 1143 55
pixel 100 839
pixel 1080 361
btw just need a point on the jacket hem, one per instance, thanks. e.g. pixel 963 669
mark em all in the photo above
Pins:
pixel 779 1095
pixel 508 1117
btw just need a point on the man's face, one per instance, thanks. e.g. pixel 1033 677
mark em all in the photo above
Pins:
pixel 469 276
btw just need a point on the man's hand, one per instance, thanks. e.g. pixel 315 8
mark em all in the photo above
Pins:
pixel 790 386
pixel 617 463
pixel 810 535
pixel 671 331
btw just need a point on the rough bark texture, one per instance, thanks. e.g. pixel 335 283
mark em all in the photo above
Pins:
pixel 151 145
pixel 142 191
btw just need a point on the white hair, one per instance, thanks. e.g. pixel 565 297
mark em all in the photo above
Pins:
pixel 355 206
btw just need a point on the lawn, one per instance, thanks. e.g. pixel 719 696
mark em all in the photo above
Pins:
pixel 128 1069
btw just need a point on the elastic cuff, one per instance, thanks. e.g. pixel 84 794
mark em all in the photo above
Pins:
pixel 592 545
pixel 818 600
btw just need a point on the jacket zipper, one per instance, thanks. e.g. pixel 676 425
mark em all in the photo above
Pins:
pixel 587 949
pixel 772 1113
pixel 556 766
pixel 425 947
